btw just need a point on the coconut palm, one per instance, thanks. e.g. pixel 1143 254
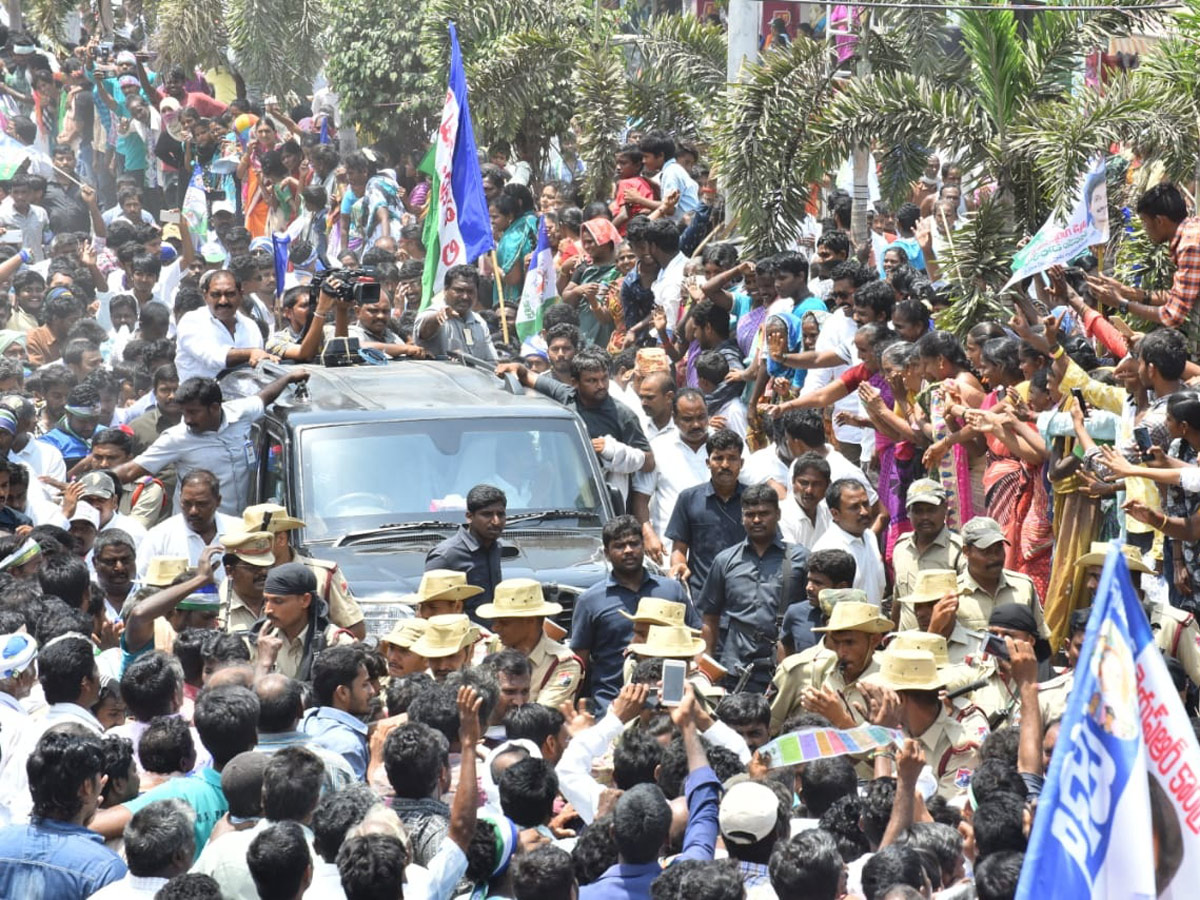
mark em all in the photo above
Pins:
pixel 677 73
pixel 278 46
pixel 189 33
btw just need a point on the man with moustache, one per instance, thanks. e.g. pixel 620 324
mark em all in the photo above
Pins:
pixel 475 548
pixel 751 584
pixel 850 530
pixel 707 517
pixel 218 335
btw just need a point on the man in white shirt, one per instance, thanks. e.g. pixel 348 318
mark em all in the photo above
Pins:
pixel 218 336
pixel 656 410
pixel 196 526
pixel 159 844
pixel 683 464
pixel 24 224
pixel 804 514
pixel 663 237
pixel 850 530
pixel 214 436
pixel 18 675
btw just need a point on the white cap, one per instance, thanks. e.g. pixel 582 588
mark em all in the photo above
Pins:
pixel 223 206
pixel 85 512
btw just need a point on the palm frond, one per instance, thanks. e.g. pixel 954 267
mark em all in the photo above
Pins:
pixel 678 67
pixel 258 28
pixel 918 41
pixel 190 33
pixel 1000 71
pixel 47 19
pixel 977 265
pixel 761 136
pixel 599 110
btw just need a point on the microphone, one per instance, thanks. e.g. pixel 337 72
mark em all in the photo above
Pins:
pixel 966 689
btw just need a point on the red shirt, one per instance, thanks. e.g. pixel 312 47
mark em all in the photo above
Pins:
pixel 854 376
pixel 207 106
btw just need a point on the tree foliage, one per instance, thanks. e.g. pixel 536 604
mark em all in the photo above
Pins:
pixel 259 29
pixel 378 72
pixel 189 33
pixel 678 75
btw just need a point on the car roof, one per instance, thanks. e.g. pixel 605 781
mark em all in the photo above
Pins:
pixel 414 388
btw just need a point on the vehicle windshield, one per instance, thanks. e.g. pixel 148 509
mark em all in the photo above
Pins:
pixel 363 476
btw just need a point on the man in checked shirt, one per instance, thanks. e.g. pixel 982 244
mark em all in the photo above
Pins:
pixel 1163 212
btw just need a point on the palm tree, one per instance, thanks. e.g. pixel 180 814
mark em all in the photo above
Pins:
pixel 678 72
pixel 278 46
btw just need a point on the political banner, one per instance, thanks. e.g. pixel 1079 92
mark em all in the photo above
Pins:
pixel 1058 242
pixel 1119 816
pixel 808 744
pixel 540 286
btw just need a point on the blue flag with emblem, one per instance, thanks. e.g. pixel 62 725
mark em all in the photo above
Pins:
pixel 280 243
pixel 1119 816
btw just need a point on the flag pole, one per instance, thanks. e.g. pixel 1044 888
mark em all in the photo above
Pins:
pixel 499 295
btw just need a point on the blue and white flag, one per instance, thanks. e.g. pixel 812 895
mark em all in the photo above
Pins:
pixel 540 285
pixel 280 244
pixel 464 227
pixel 195 206
pixel 1119 816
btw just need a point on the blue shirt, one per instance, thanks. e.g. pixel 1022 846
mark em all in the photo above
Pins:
pixel 798 624
pixel 916 258
pixel 674 177
pixel 462 552
pixel 55 861
pixel 707 524
pixel 598 627
pixel 631 881
pixel 339 732
pixel 71 446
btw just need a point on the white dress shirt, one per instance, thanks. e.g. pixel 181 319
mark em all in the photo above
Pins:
pixel 869 576
pixel 202 343
pixel 667 287
pixel 15 798
pixel 837 335
pixel 173 538
pixel 228 452
pixel 130 887
pixel 797 527
pixel 676 467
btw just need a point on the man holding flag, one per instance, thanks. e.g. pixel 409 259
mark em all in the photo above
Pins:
pixel 457 205
pixel 1119 816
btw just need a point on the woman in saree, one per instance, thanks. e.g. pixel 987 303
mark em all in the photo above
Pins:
pixel 954 388
pixel 513 244
pixel 587 291
pixel 1016 491
pixel 249 173
pixel 373 206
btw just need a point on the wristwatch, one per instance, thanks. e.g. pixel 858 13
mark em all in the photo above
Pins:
pixel 1123 306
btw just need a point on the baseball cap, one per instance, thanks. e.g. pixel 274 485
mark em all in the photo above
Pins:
pixel 98 484
pixel 925 490
pixel 749 812
pixel 221 206
pixel 85 512
pixel 982 532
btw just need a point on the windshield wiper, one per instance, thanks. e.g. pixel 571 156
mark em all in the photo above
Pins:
pixel 547 514
pixel 396 528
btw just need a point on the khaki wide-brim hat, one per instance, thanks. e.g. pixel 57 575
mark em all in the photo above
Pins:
pixel 850 615
pixel 670 642
pixel 909 670
pixel 923 641
pixel 932 585
pixel 405 633
pixel 162 570
pixel 445 636
pixel 443 584
pixel 253 547
pixel 518 598
pixel 1099 552
pixel 654 611
pixel 269 517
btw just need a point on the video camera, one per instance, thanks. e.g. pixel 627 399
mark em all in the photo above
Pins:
pixel 358 286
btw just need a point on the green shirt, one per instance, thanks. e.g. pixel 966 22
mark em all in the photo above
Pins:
pixel 592 328
pixel 201 791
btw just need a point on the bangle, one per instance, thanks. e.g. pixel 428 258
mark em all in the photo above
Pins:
pixel 1164 522
pixel 319 313
pixel 1123 306
pixel 1057 352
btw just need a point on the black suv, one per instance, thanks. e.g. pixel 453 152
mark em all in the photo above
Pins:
pixel 377 461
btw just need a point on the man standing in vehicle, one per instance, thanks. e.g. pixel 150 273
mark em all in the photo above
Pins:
pixel 475 548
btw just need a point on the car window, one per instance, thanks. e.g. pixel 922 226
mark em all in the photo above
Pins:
pixel 362 476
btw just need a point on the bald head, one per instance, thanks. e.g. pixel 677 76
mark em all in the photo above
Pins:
pixel 239 674
pixel 281 703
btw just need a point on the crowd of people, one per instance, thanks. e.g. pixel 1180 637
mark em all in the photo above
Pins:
pixel 828 511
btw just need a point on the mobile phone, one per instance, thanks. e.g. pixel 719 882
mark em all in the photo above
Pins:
pixel 104 49
pixel 1141 436
pixel 674 674
pixel 169 217
pixel 994 645
pixel 1078 395
pixel 1002 393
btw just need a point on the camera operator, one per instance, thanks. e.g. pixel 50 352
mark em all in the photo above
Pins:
pixel 304 334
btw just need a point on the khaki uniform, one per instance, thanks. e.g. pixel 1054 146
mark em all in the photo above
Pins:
pixel 975 604
pixel 235 614
pixel 1053 694
pixel 557 673
pixel 946 552
pixel 792 676
pixel 952 751
pixel 333 588
pixel 148 511
pixel 291 654
pixel 999 700
pixel 1177 635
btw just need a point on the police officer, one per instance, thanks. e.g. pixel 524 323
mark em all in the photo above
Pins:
pixel 518 613
pixel 332 588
